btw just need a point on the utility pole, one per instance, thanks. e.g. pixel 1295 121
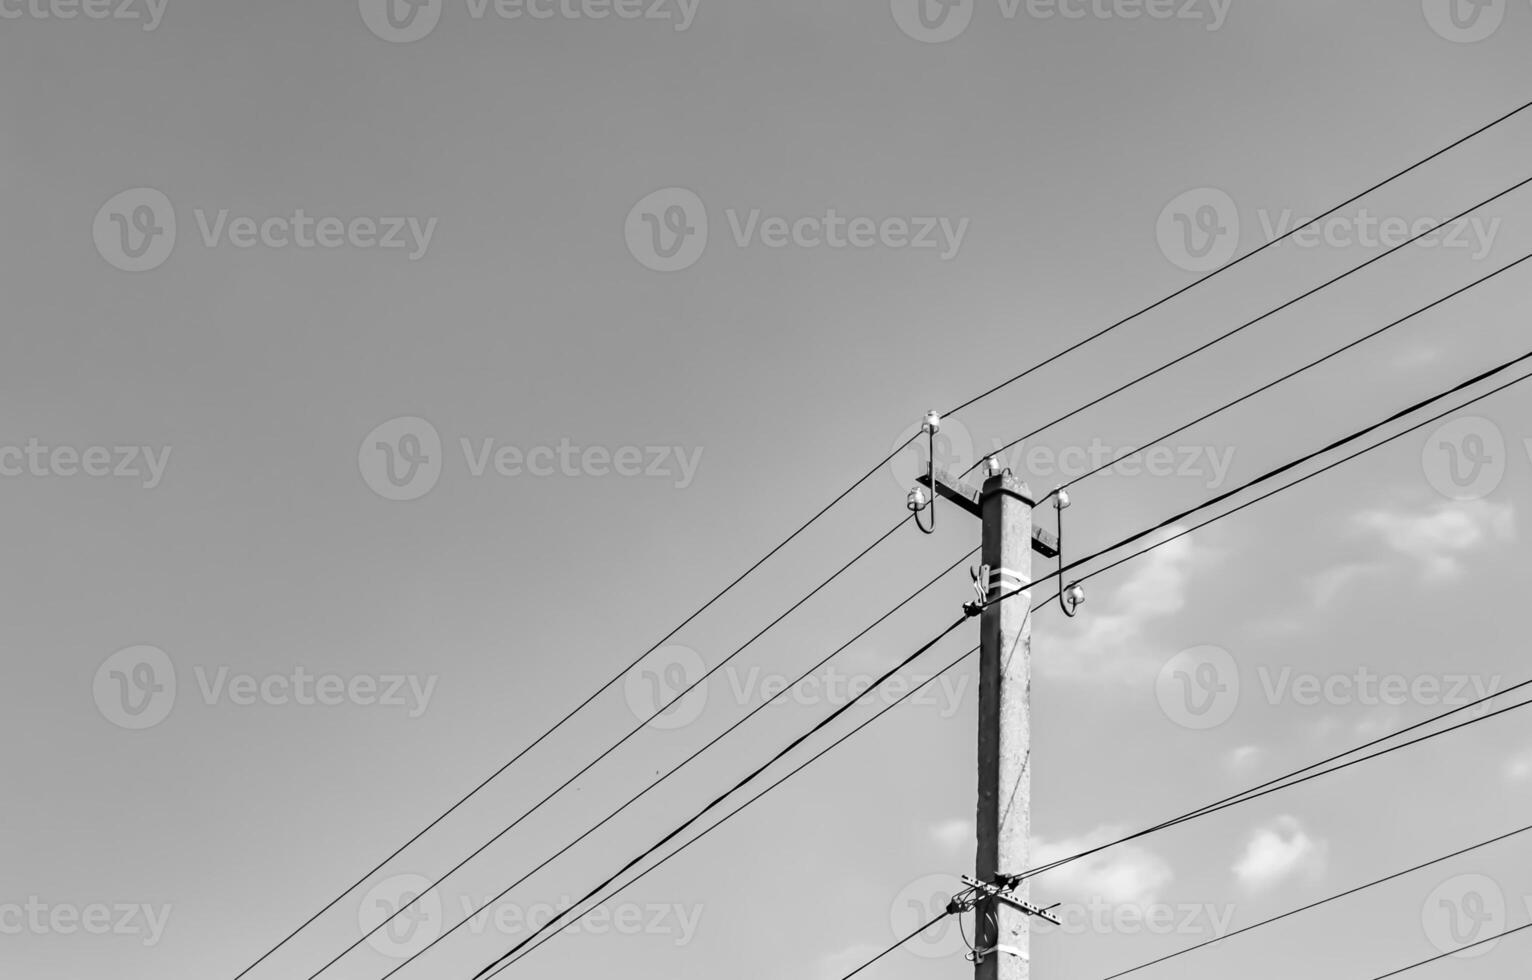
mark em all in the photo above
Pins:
pixel 1004 505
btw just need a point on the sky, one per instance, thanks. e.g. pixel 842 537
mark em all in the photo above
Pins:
pixel 380 382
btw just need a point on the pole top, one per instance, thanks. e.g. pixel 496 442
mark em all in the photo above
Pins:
pixel 1004 481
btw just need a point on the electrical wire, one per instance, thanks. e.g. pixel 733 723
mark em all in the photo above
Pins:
pixel 1253 790
pixel 1323 901
pixel 735 812
pixel 820 726
pixel 1481 942
pixel 661 709
pixel 1297 371
pixel 1250 323
pixel 1235 262
pixel 577 709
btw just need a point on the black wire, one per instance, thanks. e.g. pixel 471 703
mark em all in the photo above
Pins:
pixel 1239 797
pixel 573 711
pixel 1294 373
pixel 818 755
pixel 1481 942
pixel 1222 269
pixel 783 692
pixel 1309 476
pixel 614 746
pixel 1272 474
pixel 1230 800
pixel 820 726
pixel 1323 901
pixel 1250 323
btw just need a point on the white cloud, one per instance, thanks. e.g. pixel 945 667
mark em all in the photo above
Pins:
pixel 1278 851
pixel 1127 874
pixel 1107 640
pixel 953 834
pixel 1244 758
pixel 1437 539
pixel 1325 586
pixel 1518 768
pixel 843 962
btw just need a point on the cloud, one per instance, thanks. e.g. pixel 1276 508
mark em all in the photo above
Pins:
pixel 1108 644
pixel 1244 758
pixel 843 962
pixel 1325 586
pixel 953 834
pixel 1437 539
pixel 1123 875
pixel 1518 768
pixel 1277 852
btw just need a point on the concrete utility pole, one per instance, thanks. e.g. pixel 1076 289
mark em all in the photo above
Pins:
pixel 1004 505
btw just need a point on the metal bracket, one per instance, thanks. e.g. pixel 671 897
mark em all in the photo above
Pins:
pixel 1003 894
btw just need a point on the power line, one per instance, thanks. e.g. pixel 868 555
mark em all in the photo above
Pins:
pixel 615 745
pixel 736 811
pixel 574 711
pixel 820 726
pixel 715 740
pixel 1323 901
pixel 1309 476
pixel 1278 471
pixel 1249 255
pixel 1260 319
pixel 1481 942
pixel 1228 800
pixel 1297 371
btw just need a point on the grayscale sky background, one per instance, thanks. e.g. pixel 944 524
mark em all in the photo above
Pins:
pixel 532 316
